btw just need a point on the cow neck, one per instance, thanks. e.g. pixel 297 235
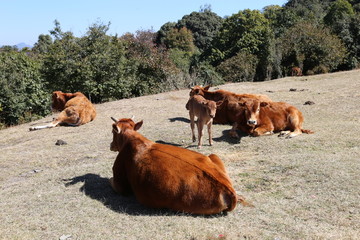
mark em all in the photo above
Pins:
pixel 136 142
pixel 214 96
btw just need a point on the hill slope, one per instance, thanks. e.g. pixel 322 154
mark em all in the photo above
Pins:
pixel 306 187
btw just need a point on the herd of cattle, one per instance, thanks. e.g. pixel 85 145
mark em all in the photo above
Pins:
pixel 166 176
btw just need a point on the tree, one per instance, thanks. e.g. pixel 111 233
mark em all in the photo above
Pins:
pixel 43 44
pixel 342 20
pixel 181 39
pixel 204 26
pixel 249 32
pixel 23 96
pixel 312 47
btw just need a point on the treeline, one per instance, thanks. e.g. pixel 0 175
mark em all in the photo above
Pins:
pixel 201 48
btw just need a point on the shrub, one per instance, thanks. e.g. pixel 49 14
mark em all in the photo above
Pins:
pixel 22 95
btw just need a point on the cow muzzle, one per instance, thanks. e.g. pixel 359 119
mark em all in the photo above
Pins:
pixel 251 122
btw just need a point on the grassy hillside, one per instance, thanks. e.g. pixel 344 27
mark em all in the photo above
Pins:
pixel 302 188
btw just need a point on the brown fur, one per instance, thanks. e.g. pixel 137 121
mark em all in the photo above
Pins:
pixel 165 176
pixel 75 109
pixel 205 111
pixel 265 118
pixel 296 71
pixel 228 111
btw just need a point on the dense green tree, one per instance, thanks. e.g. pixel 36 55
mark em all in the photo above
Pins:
pixel 239 68
pixel 312 47
pixel 92 64
pixel 204 26
pixel 22 96
pixel 342 20
pixel 249 32
pixel 181 39
pixel 43 44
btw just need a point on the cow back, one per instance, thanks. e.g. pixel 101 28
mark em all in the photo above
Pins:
pixel 183 180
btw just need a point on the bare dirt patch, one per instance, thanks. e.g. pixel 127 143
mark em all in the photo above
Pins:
pixel 302 188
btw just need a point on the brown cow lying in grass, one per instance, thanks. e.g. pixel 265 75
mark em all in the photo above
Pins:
pixel 228 111
pixel 165 176
pixel 265 118
pixel 75 109
pixel 205 111
pixel 296 71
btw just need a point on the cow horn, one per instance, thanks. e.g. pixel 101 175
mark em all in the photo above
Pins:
pixel 114 119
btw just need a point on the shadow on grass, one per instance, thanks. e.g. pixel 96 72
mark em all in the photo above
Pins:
pixel 98 188
pixel 179 119
pixel 168 143
pixel 227 138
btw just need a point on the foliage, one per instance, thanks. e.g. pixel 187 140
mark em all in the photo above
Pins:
pixel 204 26
pixel 181 39
pixel 248 32
pixel 200 48
pixel 240 68
pixel 311 47
pixel 22 95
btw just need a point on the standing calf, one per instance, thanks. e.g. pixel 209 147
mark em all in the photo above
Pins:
pixel 75 109
pixel 205 111
pixel 166 176
pixel 265 118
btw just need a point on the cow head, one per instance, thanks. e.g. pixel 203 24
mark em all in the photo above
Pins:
pixel 211 107
pixel 198 90
pixel 251 109
pixel 119 130
pixel 58 100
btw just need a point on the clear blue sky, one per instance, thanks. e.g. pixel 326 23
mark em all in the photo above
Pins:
pixel 25 20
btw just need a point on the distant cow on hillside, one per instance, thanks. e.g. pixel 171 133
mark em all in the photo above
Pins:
pixel 76 109
pixel 205 111
pixel 166 176
pixel 296 71
pixel 265 118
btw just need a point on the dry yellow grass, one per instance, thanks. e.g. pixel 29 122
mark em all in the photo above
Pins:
pixel 302 188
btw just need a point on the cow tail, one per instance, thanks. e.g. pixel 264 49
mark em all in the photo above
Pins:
pixel 306 131
pixel 243 202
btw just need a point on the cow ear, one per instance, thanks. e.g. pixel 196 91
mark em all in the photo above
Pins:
pixel 207 87
pixel 263 104
pixel 116 129
pixel 138 125
pixel 218 104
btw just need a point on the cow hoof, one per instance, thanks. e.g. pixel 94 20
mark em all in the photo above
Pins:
pixel 284 134
pixel 32 129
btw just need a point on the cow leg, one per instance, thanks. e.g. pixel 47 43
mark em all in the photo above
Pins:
pixel 233 132
pixel 119 182
pixel 192 125
pixel 51 125
pixel 295 122
pixel 200 126
pixel 263 130
pixel 209 125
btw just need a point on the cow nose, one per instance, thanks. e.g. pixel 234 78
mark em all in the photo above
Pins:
pixel 212 115
pixel 252 122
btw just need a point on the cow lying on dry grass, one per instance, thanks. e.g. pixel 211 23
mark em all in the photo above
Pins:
pixel 265 118
pixel 228 111
pixel 296 71
pixel 75 109
pixel 165 176
pixel 205 111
